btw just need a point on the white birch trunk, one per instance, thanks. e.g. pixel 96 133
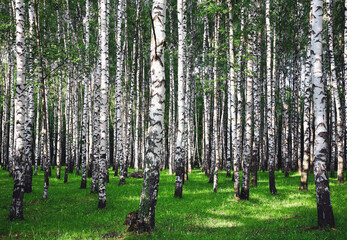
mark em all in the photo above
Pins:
pixel 149 195
pixel 325 211
pixel 180 148
pixel 172 112
pixel 238 149
pixel 104 75
pixel 247 148
pixel 307 108
pixel 85 103
pixel 118 113
pixel 30 109
pixel 270 104
pixel 335 94
pixel 16 210
pixel 231 95
pixel 138 103
pixel 215 101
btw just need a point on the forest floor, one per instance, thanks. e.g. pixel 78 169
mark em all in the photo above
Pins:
pixel 72 213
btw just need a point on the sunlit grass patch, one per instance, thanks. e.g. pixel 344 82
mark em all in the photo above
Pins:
pixel 72 213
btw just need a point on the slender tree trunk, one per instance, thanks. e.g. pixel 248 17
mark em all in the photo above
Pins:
pixel 138 101
pixel 11 145
pixel 247 149
pixel 30 114
pixel 172 115
pixel 206 97
pixel 85 104
pixel 67 132
pixel 37 132
pixel 180 148
pixel 256 110
pixel 238 149
pixel 45 136
pixel 270 104
pixel 16 210
pixel 335 94
pixel 215 101
pixel 144 113
pixel 146 214
pixel 119 93
pixel 307 103
pixel 345 75
pixel 324 207
pixel 5 124
pixel 103 15
pixel 232 95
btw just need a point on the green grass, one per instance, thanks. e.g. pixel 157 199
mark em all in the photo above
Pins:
pixel 72 213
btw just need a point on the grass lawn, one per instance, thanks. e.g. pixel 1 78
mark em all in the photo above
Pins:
pixel 72 213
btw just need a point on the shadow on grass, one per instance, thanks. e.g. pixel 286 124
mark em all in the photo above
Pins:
pixel 72 213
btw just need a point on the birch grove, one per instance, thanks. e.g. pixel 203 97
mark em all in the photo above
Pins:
pixel 248 86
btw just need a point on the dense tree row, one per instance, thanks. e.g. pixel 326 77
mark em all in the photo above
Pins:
pixel 240 85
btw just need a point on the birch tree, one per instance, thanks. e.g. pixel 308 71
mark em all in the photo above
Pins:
pixel 270 104
pixel 247 149
pixel 172 109
pixel 215 101
pixel 30 110
pixel 180 148
pixel 238 149
pixel 118 118
pixel 231 92
pixel 145 218
pixel 16 210
pixel 345 73
pixel 103 103
pixel 307 106
pixel 324 207
pixel 85 103
pixel 335 92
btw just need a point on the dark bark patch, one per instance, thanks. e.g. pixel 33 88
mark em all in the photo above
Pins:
pixel 122 181
pixel 303 186
pixel 135 224
pixel 244 194
pixel 136 175
pixel 83 184
pixel 102 204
